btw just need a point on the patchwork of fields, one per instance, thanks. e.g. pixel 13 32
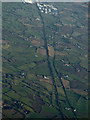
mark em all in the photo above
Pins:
pixel 45 61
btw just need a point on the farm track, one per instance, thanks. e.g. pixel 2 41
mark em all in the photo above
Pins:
pixel 51 72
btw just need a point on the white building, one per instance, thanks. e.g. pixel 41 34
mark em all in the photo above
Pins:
pixel 45 77
pixel 45 10
pixel 28 1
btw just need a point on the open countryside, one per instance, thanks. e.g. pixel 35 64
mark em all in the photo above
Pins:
pixel 45 60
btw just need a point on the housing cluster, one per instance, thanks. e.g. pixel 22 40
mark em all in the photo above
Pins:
pixel 46 8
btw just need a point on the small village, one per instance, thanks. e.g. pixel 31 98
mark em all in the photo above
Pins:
pixel 46 8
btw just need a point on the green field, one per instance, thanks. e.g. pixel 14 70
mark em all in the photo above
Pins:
pixel 37 84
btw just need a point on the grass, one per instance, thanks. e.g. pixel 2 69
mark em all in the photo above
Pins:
pixel 49 112
pixel 38 69
pixel 13 95
pixel 20 28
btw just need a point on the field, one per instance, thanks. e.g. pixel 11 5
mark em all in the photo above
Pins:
pixel 45 60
